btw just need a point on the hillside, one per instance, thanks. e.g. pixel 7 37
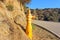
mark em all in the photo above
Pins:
pixel 47 14
pixel 12 18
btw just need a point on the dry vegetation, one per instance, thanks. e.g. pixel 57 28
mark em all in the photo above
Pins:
pixel 12 18
pixel 41 34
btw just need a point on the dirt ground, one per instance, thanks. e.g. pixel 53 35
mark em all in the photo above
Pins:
pixel 41 34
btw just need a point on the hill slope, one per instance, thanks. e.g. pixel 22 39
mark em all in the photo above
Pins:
pixel 11 21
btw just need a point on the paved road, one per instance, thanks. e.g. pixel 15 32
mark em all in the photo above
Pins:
pixel 54 27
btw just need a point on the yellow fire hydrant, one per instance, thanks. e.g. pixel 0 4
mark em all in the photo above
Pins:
pixel 29 26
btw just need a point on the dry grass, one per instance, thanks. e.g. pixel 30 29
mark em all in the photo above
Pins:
pixel 41 34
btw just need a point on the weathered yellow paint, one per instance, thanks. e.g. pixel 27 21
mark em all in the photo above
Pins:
pixel 29 26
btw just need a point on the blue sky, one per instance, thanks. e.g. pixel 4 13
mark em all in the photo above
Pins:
pixel 44 4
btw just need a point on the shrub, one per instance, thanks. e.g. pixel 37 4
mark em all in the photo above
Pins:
pixel 10 7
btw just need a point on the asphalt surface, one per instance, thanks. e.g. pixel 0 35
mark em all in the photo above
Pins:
pixel 54 27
